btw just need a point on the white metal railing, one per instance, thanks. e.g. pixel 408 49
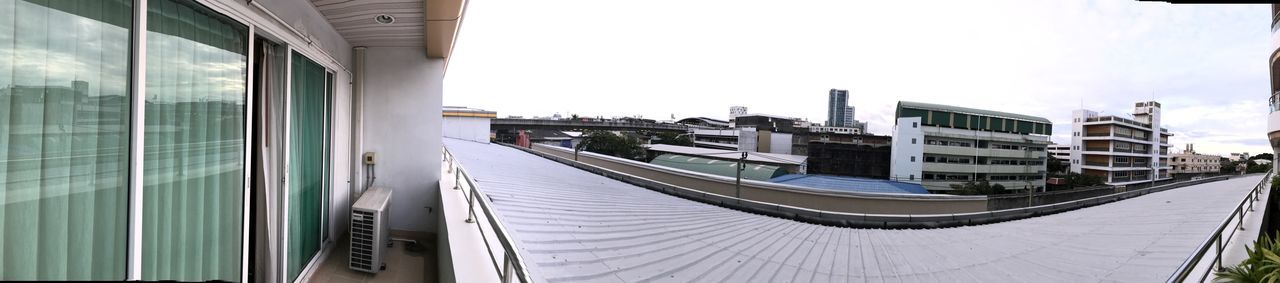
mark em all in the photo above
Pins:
pixel 512 265
pixel 1189 265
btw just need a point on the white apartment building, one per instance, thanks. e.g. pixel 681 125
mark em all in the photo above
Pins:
pixel 1120 150
pixel 1060 151
pixel 939 145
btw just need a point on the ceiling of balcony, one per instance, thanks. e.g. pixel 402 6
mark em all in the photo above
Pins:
pixel 354 19
pixel 418 23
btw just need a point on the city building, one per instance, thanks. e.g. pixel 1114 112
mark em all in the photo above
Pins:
pixel 839 114
pixel 735 111
pixel 848 152
pixel 704 123
pixel 467 123
pixel 1062 155
pixel 940 145
pixel 1239 156
pixel 763 166
pixel 1120 150
pixel 767 133
pixel 1060 151
pixel 1191 163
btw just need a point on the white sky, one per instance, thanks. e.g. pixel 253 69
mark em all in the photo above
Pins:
pixel 1207 64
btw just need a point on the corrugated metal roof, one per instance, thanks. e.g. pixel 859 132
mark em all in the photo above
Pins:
pixel 850 184
pixel 761 157
pixel 949 108
pixel 758 172
pixel 575 226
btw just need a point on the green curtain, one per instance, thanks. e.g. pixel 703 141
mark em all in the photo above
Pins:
pixel 64 124
pixel 306 162
pixel 195 143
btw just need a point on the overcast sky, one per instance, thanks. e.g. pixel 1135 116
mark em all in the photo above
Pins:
pixel 1207 64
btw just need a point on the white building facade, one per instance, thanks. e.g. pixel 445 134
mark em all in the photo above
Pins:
pixel 1120 150
pixel 939 145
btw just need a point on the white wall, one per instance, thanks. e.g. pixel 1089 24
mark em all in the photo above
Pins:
pixel 467 128
pixel 780 143
pixel 747 139
pixel 402 124
pixel 900 164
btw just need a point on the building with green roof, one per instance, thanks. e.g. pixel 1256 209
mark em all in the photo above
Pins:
pixel 941 145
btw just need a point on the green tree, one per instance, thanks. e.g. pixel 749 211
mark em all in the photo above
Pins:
pixel 611 144
pixel 1081 180
pixel 982 187
pixel 672 139
pixel 1254 167
pixel 1055 165
pixel 1266 156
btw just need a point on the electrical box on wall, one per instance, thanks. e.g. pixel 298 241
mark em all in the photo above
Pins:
pixel 368 158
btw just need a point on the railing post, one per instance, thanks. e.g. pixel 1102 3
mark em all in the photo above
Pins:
pixel 471 206
pixel 1240 210
pixel 1218 258
pixel 506 269
pixel 457 180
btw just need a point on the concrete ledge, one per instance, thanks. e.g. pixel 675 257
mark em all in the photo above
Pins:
pixel 859 220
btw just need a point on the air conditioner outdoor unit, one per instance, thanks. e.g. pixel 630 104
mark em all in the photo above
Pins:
pixel 370 237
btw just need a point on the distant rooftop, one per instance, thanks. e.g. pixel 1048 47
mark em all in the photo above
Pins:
pixel 850 184
pixel 463 111
pixel 758 172
pixel 949 108
pixel 759 157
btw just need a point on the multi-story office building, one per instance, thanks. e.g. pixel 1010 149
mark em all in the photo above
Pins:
pixel 1191 163
pixel 1120 150
pixel 849 153
pixel 939 145
pixel 1061 154
pixel 1060 151
pixel 838 109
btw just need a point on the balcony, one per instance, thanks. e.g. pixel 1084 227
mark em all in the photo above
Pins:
pixel 1118 120
pixel 1096 163
pixel 1097 148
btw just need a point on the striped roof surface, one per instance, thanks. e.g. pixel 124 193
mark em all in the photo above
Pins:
pixel 752 171
pixel 850 184
pixel 574 226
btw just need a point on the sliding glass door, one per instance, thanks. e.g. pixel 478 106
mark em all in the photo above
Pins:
pixel 64 138
pixel 308 165
pixel 197 69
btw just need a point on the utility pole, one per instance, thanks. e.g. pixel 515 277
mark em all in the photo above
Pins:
pixel 737 184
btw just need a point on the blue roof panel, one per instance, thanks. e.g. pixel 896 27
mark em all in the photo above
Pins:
pixel 849 184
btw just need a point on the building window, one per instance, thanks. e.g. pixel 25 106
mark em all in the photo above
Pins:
pixel 65 97
pixel 915 124
pixel 913 159
pixel 197 74
pixel 913 177
pixel 913 140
